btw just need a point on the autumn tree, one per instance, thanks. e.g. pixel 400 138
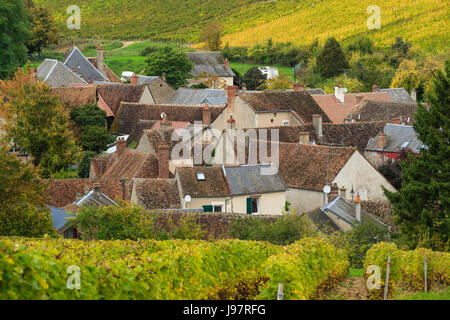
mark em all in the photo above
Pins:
pixel 23 210
pixel 35 121
pixel 43 28
pixel 281 82
pixel 407 76
pixel 212 36
pixel 422 206
pixel 14 36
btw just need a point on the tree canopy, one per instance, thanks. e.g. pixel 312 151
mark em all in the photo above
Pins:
pixel 43 29
pixel 14 36
pixel 331 61
pixel 254 79
pixel 421 207
pixel 35 121
pixel 171 61
pixel 212 36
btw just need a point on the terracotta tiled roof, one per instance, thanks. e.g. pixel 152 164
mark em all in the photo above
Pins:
pixel 301 102
pixel 175 124
pixel 157 137
pixel 214 185
pixel 133 164
pixel 63 192
pixel 75 96
pixel 102 105
pixel 138 130
pixel 109 73
pixel 114 94
pixel 156 193
pixel 305 166
pixel 101 163
pixel 380 209
pixel 383 111
pixel 337 111
pixel 130 113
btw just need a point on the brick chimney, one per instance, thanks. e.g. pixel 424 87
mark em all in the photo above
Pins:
pixel 206 116
pixel 359 98
pixel 100 61
pixel 333 193
pixel 227 64
pixel 231 123
pixel 231 94
pixel 121 145
pixel 375 87
pixel 382 139
pixel 358 208
pixel 165 125
pixel 303 137
pixel 134 79
pixel 298 87
pixel 317 124
pixel 163 161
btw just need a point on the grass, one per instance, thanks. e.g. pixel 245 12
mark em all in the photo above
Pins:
pixel 246 22
pixel 433 295
pixel 242 68
pixel 355 273
pixel 120 64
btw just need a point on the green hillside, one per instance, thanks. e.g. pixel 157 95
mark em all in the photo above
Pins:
pixel 423 22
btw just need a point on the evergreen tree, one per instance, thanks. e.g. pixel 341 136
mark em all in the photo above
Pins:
pixel 254 79
pixel 331 61
pixel 14 35
pixel 421 208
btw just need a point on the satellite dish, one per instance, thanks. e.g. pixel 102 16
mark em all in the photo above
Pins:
pixel 326 189
pixel 163 115
pixel 187 198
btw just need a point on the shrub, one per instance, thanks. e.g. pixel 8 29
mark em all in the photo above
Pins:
pixel 306 268
pixel 85 165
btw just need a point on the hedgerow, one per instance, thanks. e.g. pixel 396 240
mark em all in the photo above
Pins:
pixel 173 269
pixel 407 268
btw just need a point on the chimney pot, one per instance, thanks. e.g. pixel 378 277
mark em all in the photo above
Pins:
pixel 121 145
pixel 163 76
pixel 358 208
pixel 244 88
pixel 298 86
pixel 317 124
pixel 343 192
pixel 163 161
pixel 134 79
pixel 100 61
pixel 227 64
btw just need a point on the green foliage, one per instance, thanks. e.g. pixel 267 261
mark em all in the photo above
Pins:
pixel 36 122
pixel 65 174
pixel 88 115
pixel 15 26
pixel 254 79
pixel 171 61
pixel 44 29
pixel 422 206
pixel 284 230
pixel 307 268
pixel 23 210
pixel 331 61
pixel 407 267
pixel 199 86
pixel 84 166
pixel 362 44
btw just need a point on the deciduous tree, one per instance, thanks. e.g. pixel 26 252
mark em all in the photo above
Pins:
pixel 212 36
pixel 43 28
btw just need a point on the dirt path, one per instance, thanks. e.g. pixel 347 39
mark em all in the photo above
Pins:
pixel 351 288
pixel 127 44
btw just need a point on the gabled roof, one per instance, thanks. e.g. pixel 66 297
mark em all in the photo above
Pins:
pixel 305 166
pixel 190 96
pixel 157 137
pixel 214 185
pixel 398 138
pixel 156 193
pixel 383 111
pixel 300 102
pixel 113 94
pixel 249 180
pixel 398 94
pixel 215 101
pixel 138 130
pixel 337 111
pixel 109 73
pixel 343 210
pixel 56 74
pixel 209 63
pixel 75 96
pixel 129 114
pixel 133 164
pixel 83 66
pixel 104 106
pixel 59 217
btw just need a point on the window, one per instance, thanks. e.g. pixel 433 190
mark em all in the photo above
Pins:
pixel 252 205
pixel 217 209
pixel 201 176
pixel 285 122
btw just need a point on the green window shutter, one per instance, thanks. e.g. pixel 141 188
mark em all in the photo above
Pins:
pixel 249 205
pixel 207 208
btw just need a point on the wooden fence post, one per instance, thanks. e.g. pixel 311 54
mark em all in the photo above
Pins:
pixel 386 283
pixel 425 274
pixel 280 292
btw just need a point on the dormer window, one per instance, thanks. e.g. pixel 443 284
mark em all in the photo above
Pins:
pixel 200 176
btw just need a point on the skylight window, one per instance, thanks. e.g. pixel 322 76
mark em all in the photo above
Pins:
pixel 200 176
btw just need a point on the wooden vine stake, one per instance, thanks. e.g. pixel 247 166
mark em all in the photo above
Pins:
pixel 280 292
pixel 425 274
pixel 386 283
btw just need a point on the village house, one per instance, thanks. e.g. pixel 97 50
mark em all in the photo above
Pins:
pixel 394 112
pixel 251 109
pixel 390 142
pixel 211 69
